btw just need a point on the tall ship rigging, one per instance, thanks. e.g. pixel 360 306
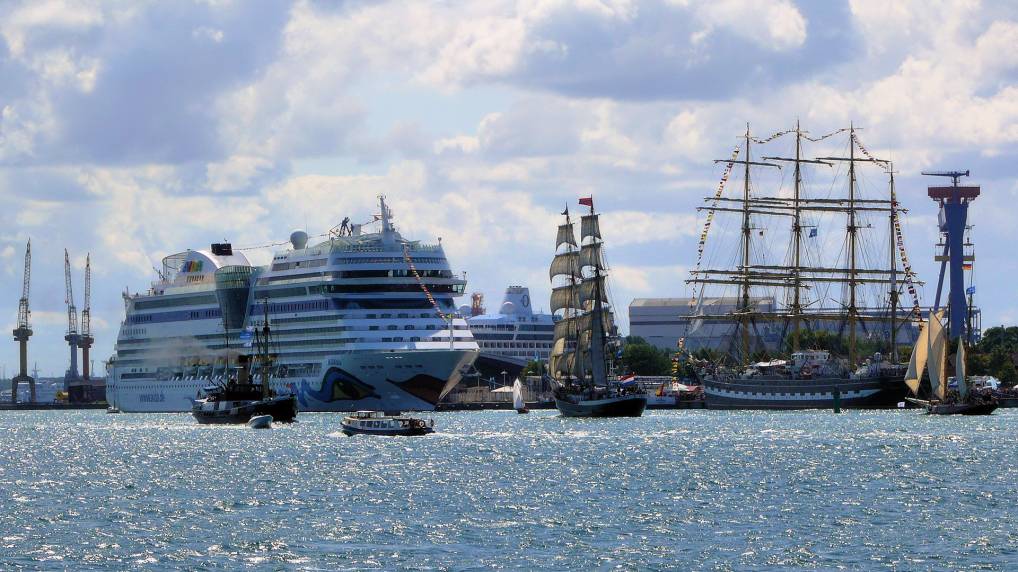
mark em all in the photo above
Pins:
pixel 360 321
pixel 584 336
pixel 847 284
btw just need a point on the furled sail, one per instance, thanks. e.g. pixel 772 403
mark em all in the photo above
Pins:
pixel 937 354
pixel 565 264
pixel 917 363
pixel 565 235
pixel 959 371
pixel 563 297
pixel 590 255
pixel 589 227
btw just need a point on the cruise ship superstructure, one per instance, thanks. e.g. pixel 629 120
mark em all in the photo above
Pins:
pixel 361 321
pixel 512 337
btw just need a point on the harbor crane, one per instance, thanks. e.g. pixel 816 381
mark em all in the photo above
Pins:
pixel 23 332
pixel 954 207
pixel 72 336
pixel 955 175
pixel 85 340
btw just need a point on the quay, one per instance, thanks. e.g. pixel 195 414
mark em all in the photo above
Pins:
pixel 50 406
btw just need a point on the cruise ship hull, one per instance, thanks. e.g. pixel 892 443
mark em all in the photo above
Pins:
pixel 866 393
pixel 388 381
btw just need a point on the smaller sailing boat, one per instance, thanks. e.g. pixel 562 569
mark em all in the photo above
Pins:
pixel 931 350
pixel 584 331
pixel 518 404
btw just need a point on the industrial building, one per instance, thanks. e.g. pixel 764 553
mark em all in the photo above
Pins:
pixel 662 321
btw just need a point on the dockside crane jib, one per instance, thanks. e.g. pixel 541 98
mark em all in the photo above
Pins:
pixel 72 337
pixel 85 339
pixel 23 332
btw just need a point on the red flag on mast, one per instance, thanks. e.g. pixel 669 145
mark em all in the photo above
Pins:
pixel 587 201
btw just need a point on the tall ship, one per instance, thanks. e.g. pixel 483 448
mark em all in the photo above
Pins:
pixel 833 260
pixel 360 321
pixel 585 335
pixel 510 338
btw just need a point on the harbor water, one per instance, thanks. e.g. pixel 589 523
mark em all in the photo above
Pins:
pixel 890 490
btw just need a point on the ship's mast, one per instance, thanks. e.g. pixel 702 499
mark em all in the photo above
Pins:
pixel 744 307
pixel 797 274
pixel 852 308
pixel 797 236
pixel 577 365
pixel 894 267
pixel 852 228
pixel 797 207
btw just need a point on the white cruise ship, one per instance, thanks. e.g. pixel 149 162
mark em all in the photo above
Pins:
pixel 511 338
pixel 361 321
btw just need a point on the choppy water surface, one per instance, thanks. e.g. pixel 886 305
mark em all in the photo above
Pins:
pixel 685 489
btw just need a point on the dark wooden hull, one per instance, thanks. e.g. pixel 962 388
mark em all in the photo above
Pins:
pixel 282 410
pixel 622 406
pixel 961 408
pixel 866 393
pixel 406 432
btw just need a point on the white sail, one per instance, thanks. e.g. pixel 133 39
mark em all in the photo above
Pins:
pixel 589 227
pixel 590 255
pixel 565 264
pixel 917 363
pixel 565 235
pixel 518 402
pixel 563 297
pixel 587 291
pixel 937 356
pixel 567 327
pixel 558 347
pixel 959 371
pixel 598 364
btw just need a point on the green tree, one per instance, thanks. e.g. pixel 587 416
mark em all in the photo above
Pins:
pixel 533 367
pixel 641 358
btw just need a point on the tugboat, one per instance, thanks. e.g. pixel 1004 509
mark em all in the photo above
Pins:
pixel 239 400
pixel 378 423
pixel 585 330
pixel 931 347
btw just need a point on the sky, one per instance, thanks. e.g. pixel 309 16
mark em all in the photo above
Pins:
pixel 135 129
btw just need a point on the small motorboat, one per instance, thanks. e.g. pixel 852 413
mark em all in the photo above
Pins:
pixel 260 422
pixel 378 423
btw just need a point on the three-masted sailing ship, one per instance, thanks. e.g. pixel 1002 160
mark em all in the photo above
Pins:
pixel 585 331
pixel 931 351
pixel 801 284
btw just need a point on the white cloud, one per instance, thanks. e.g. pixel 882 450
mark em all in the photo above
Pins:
pixel 774 24
pixel 498 113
